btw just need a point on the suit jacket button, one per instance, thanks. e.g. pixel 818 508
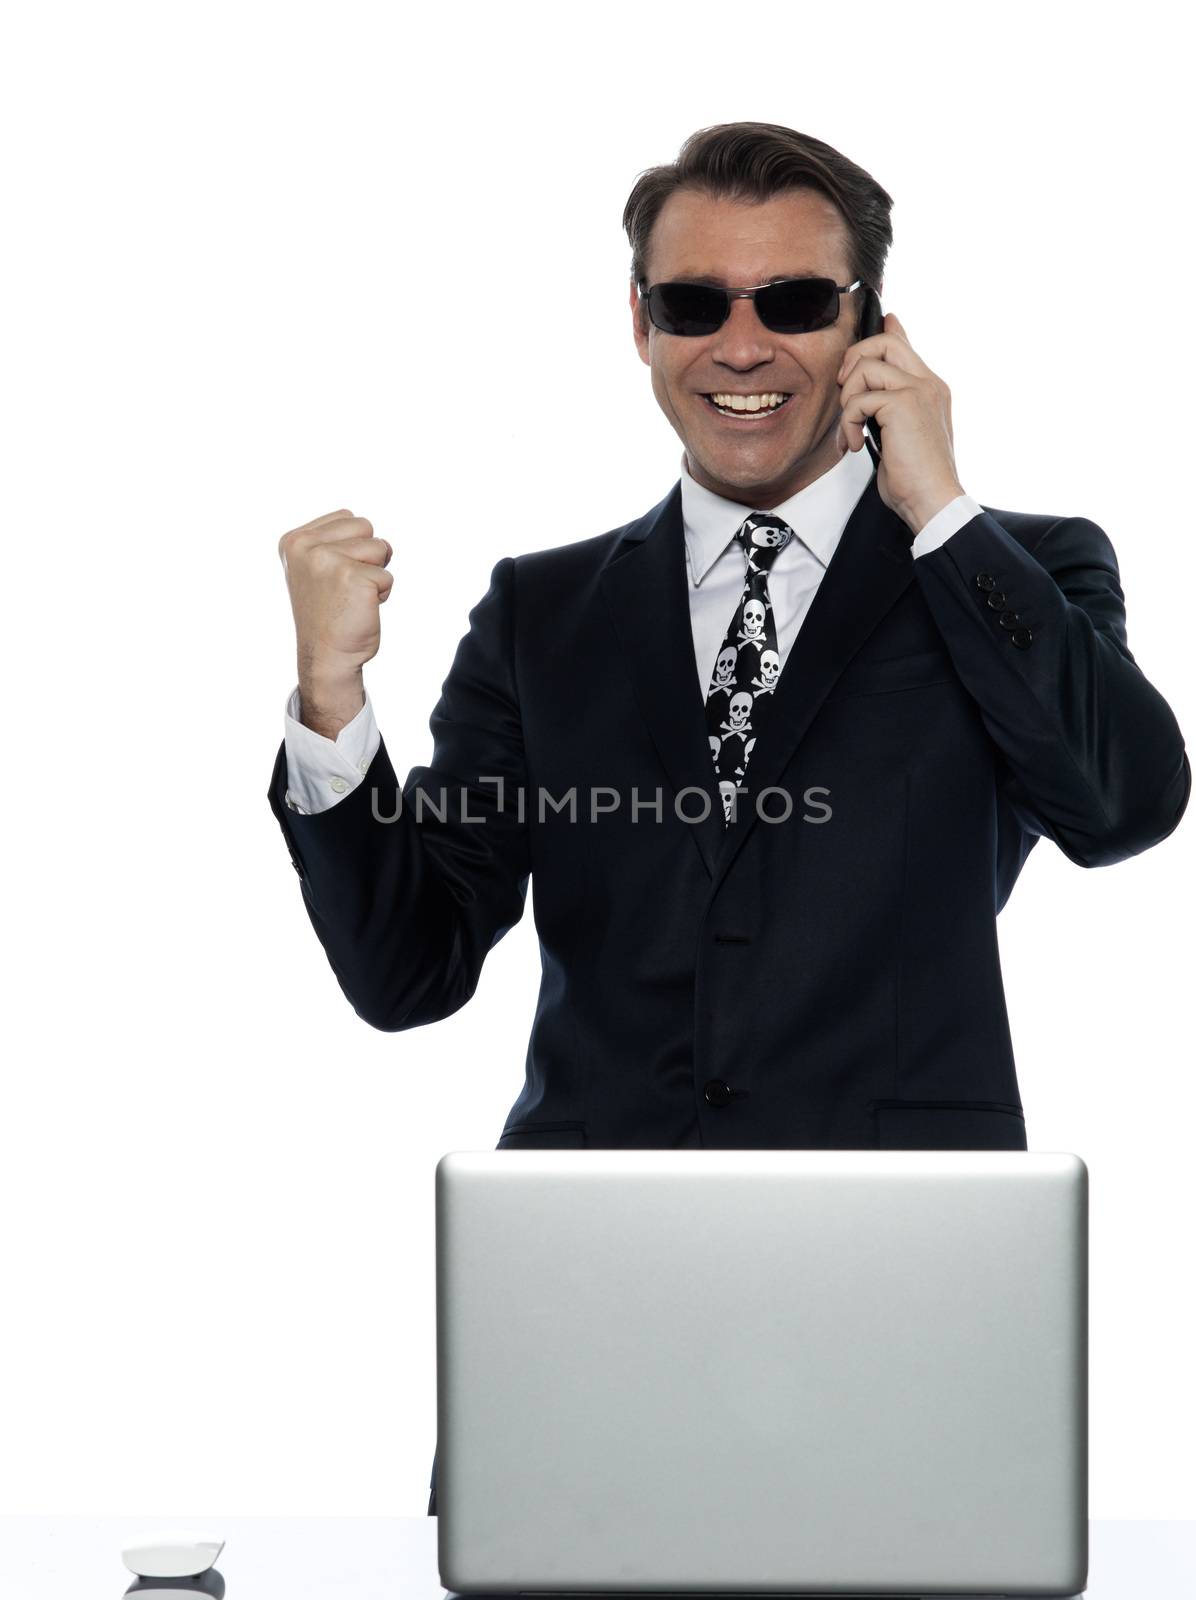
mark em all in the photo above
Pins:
pixel 717 1092
pixel 996 601
pixel 1008 619
pixel 985 580
pixel 1021 638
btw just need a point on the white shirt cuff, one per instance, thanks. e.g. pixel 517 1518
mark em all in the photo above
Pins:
pixel 321 771
pixel 944 523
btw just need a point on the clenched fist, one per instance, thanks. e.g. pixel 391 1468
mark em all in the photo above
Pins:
pixel 337 579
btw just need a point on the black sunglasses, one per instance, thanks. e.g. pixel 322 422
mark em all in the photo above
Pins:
pixel 790 305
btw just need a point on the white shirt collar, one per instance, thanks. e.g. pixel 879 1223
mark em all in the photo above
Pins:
pixel 817 514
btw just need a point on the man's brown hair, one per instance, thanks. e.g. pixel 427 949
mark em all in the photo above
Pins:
pixel 753 161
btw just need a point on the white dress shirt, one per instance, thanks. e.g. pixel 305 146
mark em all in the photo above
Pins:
pixel 321 771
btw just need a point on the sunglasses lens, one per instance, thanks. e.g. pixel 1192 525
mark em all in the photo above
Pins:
pixel 800 305
pixel 687 308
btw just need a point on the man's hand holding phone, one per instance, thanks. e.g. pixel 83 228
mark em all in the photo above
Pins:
pixel 337 579
pixel 882 378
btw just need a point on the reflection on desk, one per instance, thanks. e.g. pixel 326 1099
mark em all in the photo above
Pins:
pixel 381 1558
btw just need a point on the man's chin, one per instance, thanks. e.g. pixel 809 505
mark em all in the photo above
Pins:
pixel 743 468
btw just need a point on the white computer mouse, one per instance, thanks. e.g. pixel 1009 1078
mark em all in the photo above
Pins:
pixel 170 1557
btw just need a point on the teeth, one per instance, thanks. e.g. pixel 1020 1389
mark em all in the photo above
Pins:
pixel 748 402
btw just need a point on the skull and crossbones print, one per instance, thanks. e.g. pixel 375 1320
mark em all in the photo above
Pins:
pixel 770 668
pixel 745 676
pixel 752 632
pixel 739 711
pixel 724 671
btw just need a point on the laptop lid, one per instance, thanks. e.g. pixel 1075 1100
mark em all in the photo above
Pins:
pixel 794 1371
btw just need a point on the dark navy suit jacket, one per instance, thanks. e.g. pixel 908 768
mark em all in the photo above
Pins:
pixel 827 980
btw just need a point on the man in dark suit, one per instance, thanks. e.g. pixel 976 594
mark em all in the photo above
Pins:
pixel 766 890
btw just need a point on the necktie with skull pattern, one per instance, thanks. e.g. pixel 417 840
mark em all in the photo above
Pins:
pixel 748 665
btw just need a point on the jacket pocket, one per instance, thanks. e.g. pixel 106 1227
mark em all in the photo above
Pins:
pixel 896 672
pixel 543 1136
pixel 948 1125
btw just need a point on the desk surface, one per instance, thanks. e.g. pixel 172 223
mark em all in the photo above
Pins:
pixel 394 1558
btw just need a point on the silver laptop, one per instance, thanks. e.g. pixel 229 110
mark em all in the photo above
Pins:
pixel 762 1372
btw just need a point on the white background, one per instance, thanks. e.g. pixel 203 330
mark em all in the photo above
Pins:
pixel 239 239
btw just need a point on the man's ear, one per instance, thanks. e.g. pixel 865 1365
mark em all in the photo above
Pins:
pixel 639 324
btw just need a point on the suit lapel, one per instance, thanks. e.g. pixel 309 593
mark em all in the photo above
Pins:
pixel 870 568
pixel 647 589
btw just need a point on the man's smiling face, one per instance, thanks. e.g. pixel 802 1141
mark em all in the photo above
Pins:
pixel 735 243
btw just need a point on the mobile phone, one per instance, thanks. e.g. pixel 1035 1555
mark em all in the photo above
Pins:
pixel 872 320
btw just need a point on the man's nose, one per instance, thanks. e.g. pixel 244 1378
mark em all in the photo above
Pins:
pixel 743 335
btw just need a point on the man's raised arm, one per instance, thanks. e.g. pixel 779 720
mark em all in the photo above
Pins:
pixel 407 888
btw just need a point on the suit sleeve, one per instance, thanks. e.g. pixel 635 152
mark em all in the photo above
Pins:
pixel 409 889
pixel 1092 756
